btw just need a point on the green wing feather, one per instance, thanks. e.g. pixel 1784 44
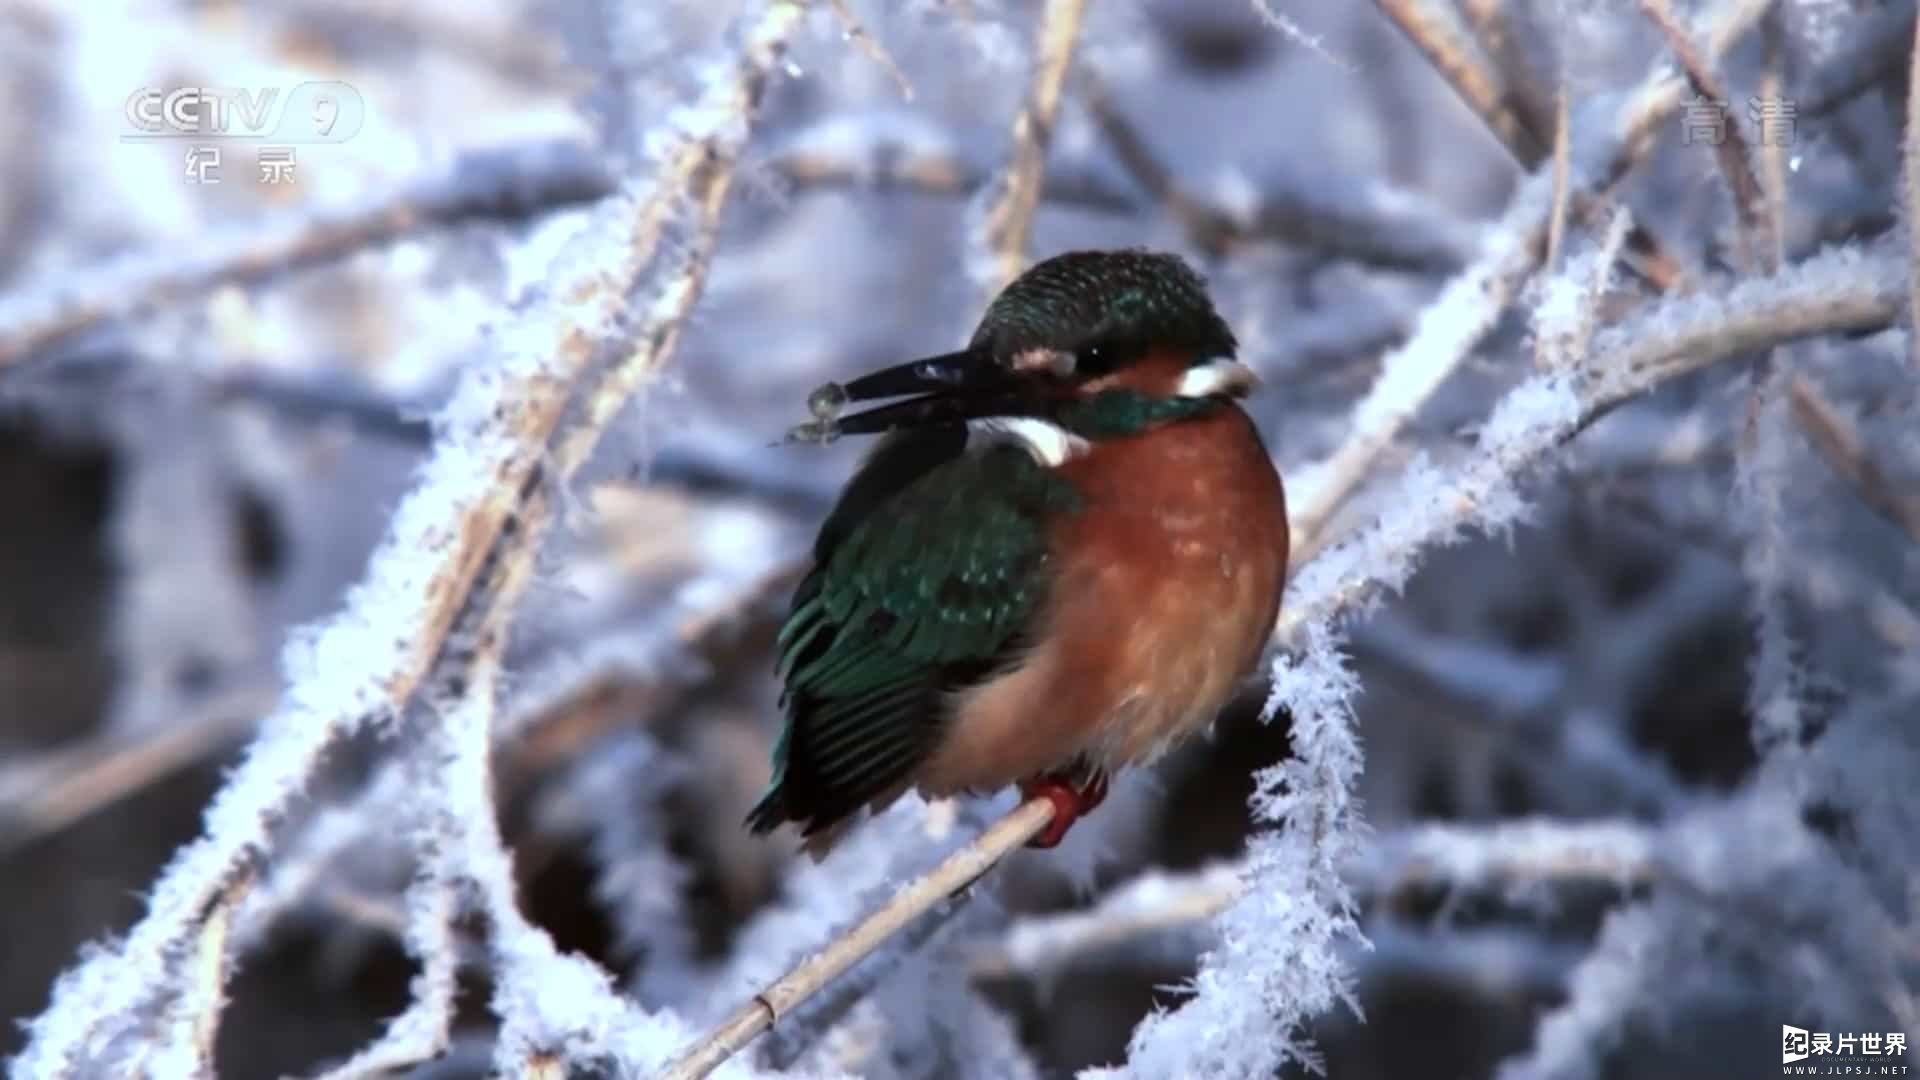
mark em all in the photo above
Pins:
pixel 921 585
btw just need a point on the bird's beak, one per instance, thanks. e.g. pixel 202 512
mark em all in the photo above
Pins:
pixel 949 388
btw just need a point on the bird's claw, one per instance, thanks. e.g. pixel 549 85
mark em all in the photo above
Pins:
pixel 1071 802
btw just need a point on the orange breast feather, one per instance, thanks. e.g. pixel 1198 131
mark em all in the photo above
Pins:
pixel 1167 586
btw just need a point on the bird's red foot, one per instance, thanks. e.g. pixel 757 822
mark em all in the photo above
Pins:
pixel 1071 802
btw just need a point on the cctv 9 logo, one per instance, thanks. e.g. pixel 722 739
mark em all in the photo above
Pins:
pixel 312 112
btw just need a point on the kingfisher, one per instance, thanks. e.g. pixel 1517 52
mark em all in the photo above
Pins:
pixel 1061 557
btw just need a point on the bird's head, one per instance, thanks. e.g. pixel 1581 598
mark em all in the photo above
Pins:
pixel 1098 344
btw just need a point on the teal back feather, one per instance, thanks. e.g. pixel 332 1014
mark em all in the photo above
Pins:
pixel 932 589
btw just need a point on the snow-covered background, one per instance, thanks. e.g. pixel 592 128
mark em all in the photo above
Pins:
pixel 394 554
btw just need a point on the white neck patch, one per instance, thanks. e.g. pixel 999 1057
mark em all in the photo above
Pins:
pixel 1221 377
pixel 1049 443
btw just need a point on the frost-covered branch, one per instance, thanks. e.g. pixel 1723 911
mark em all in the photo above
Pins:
pixel 514 429
pixel 1209 229
pixel 1517 856
pixel 1445 334
pixel 1506 856
pixel 1379 227
pixel 864 40
pixel 1154 902
pixel 911 902
pixel 1456 320
pixel 492 184
pixel 1841 292
pixel 1436 32
pixel 1500 26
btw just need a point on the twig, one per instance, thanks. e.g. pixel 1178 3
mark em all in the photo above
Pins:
pixel 1525 91
pixel 1293 31
pixel 477 186
pixel 1437 35
pixel 1210 229
pixel 1758 230
pixel 1151 903
pixel 1500 856
pixel 1828 584
pixel 953 874
pixel 210 964
pixel 868 152
pixel 1393 229
pixel 1596 291
pixel 1562 178
pixel 1434 29
pixel 471 673
pixel 196 1015
pixel 80 782
pixel 479 507
pixel 1842 293
pixel 1841 445
pixel 1446 332
pixel 1773 152
pixel 423 1030
pixel 1379 417
pixel 1380 226
pixel 1010 219
pixel 864 40
pixel 802 1029
pixel 1830 294
pixel 1396 865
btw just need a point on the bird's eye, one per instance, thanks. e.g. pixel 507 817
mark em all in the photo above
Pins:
pixel 1093 360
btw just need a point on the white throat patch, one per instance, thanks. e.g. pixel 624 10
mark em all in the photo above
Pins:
pixel 1217 377
pixel 1049 443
